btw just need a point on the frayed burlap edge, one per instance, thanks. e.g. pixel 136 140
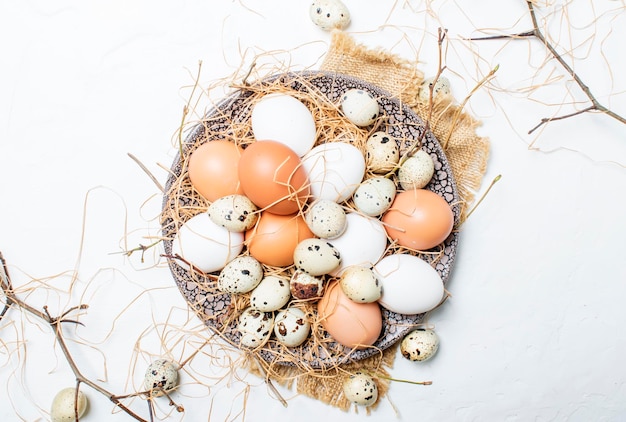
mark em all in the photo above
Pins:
pixel 467 154
pixel 327 385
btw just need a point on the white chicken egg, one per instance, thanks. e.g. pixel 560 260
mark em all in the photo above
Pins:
pixel 63 409
pixel 255 327
pixel 416 171
pixel 316 256
pixel 161 376
pixel 271 294
pixel 240 275
pixel 360 389
pixel 206 245
pixel 326 219
pixel 360 107
pixel 410 285
pixel 363 243
pixel 381 153
pixel 360 284
pixel 419 345
pixel 291 327
pixel 335 170
pixel 285 119
pixel 329 14
pixel 374 196
pixel 236 213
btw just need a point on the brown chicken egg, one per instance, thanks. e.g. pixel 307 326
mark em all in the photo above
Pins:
pixel 354 325
pixel 419 219
pixel 272 176
pixel 213 169
pixel 275 237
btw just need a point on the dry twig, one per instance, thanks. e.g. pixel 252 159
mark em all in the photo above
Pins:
pixel 537 33
pixel 55 323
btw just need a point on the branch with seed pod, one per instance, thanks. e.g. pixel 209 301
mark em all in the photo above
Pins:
pixel 56 323
pixel 537 33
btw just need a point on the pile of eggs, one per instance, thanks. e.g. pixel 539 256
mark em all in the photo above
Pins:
pixel 293 219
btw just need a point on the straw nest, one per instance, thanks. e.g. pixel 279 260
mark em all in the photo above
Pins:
pixel 230 119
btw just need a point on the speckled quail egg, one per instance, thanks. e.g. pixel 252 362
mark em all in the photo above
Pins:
pixel 240 275
pixel 161 376
pixel 271 294
pixel 304 286
pixel 316 256
pixel 326 219
pixel 419 345
pixel 381 153
pixel 62 409
pixel 416 171
pixel 255 327
pixel 441 88
pixel 329 14
pixel 236 213
pixel 374 196
pixel 360 284
pixel 360 107
pixel 291 327
pixel 360 389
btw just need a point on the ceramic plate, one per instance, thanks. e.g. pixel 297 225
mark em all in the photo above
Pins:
pixel 401 122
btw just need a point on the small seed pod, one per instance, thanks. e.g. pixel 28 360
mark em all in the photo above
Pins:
pixel 161 376
pixel 360 389
pixel 419 345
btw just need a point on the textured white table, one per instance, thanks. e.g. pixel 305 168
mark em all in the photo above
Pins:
pixel 533 329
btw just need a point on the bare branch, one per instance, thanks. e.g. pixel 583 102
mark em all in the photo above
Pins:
pixel 537 33
pixel 565 116
pixel 55 324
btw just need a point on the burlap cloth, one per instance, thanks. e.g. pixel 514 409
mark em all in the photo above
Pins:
pixel 467 154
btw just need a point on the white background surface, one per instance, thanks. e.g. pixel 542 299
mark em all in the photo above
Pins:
pixel 534 328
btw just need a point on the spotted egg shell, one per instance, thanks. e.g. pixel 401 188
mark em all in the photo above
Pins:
pixel 381 153
pixel 255 327
pixel 240 275
pixel 291 327
pixel 62 409
pixel 161 376
pixel 329 14
pixel 374 196
pixel 440 88
pixel 236 213
pixel 360 284
pixel 305 286
pixel 419 345
pixel 271 294
pixel 316 256
pixel 416 171
pixel 360 389
pixel 360 107
pixel 326 219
